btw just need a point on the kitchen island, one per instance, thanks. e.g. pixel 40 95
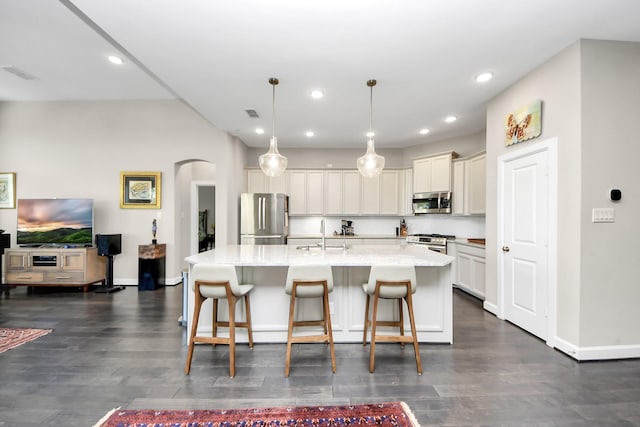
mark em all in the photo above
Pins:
pixel 266 267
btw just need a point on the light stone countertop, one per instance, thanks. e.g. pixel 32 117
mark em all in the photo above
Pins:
pixel 463 241
pixel 339 236
pixel 356 255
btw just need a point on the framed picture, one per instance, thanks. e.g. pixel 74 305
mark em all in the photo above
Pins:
pixel 140 190
pixel 7 190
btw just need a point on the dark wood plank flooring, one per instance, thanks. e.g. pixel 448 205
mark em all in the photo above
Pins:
pixel 127 349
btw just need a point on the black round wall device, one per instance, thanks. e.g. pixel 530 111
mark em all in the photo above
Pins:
pixel 615 195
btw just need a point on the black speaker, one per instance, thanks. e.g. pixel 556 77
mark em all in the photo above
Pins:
pixel 109 244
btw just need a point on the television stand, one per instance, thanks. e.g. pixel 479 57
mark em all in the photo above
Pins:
pixel 78 267
pixel 108 287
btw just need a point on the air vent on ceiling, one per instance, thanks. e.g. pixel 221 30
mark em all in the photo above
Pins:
pixel 252 113
pixel 18 72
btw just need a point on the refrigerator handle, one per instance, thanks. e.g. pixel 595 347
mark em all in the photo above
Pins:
pixel 264 213
pixel 259 213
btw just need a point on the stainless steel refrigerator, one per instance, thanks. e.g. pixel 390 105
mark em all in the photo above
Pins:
pixel 264 218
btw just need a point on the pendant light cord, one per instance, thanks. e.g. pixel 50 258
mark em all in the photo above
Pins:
pixel 371 84
pixel 273 81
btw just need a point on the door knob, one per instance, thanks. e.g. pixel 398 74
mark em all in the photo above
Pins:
pixel 505 249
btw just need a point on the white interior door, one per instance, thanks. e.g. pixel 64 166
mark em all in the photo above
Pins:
pixel 525 227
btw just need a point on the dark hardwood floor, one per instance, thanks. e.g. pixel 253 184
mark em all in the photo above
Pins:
pixel 127 349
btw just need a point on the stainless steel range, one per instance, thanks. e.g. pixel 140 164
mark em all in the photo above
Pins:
pixel 434 242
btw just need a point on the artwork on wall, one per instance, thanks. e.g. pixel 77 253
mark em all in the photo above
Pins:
pixel 7 190
pixel 140 190
pixel 523 124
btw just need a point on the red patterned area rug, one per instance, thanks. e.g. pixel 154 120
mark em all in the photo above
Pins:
pixel 13 337
pixel 379 414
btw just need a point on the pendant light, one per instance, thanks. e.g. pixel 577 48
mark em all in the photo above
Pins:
pixel 371 164
pixel 273 163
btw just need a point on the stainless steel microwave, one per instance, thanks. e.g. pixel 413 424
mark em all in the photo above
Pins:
pixel 432 203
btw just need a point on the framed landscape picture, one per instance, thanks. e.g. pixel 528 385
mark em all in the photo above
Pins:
pixel 140 190
pixel 7 190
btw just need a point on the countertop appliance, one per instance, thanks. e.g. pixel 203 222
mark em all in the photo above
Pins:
pixel 264 218
pixel 434 242
pixel 347 228
pixel 432 203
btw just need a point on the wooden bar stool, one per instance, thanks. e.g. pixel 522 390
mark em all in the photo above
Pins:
pixel 309 281
pixel 390 282
pixel 219 282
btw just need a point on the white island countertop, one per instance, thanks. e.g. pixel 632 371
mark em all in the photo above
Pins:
pixel 356 255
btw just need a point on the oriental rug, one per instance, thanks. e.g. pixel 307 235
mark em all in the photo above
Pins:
pixel 13 337
pixel 379 414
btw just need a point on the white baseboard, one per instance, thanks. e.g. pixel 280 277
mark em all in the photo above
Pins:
pixel 605 352
pixel 491 308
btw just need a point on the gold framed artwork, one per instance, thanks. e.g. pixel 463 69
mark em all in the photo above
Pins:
pixel 7 190
pixel 523 124
pixel 140 190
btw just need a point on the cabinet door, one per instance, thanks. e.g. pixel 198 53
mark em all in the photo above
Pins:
pixel 256 181
pixel 478 268
pixel 351 192
pixel 315 192
pixel 441 173
pixel 73 261
pixel 278 184
pixel 476 184
pixel 297 192
pixel 16 261
pixel 406 200
pixel 422 175
pixel 464 272
pixel 458 193
pixel 389 187
pixel 371 196
pixel 333 193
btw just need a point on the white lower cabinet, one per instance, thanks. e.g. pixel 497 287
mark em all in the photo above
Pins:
pixel 470 269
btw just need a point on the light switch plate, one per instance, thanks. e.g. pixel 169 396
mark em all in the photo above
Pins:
pixel 602 215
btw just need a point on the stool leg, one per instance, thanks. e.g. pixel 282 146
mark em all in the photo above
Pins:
pixel 416 349
pixel 401 320
pixel 329 329
pixel 214 320
pixel 247 307
pixel 194 327
pixel 374 321
pixel 287 363
pixel 366 321
pixel 232 336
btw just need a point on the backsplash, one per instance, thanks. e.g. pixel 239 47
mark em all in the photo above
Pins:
pixel 462 226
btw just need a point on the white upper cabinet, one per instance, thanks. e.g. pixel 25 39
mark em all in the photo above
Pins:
pixel 469 185
pixel 306 192
pixel 333 202
pixel 351 192
pixel 370 196
pixel 390 192
pixel 433 173
pixel 258 182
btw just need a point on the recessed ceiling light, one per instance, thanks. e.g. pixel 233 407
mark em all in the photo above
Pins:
pixel 371 134
pixel 115 60
pixel 309 133
pixel 317 94
pixel 450 119
pixel 484 77
pixel 259 131
pixel 424 131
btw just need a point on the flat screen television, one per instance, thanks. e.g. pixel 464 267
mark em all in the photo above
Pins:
pixel 55 222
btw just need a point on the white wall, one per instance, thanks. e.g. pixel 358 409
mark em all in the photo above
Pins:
pixel 557 84
pixel 589 93
pixel 610 267
pixel 78 149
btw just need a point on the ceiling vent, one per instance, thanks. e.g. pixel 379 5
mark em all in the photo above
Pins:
pixel 18 72
pixel 252 113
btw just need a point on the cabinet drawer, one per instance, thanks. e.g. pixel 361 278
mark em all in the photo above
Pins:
pixel 24 277
pixel 63 277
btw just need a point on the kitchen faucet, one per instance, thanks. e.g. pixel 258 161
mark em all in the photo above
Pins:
pixel 322 231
